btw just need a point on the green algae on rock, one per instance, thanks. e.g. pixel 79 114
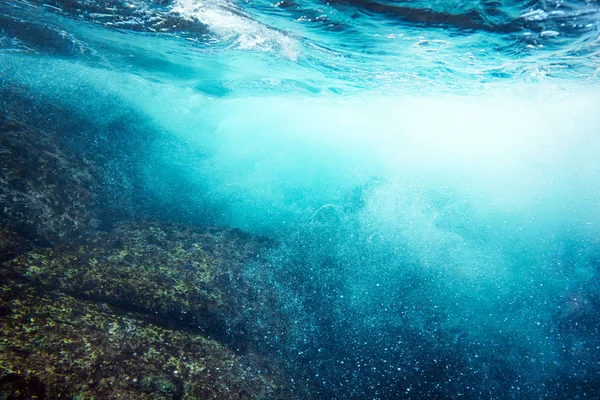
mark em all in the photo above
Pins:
pixel 177 276
pixel 56 346
pixel 45 193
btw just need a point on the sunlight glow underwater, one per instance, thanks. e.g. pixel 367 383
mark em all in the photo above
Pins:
pixel 444 244
pixel 482 209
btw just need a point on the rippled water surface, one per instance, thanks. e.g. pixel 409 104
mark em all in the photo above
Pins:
pixel 316 47
pixel 430 170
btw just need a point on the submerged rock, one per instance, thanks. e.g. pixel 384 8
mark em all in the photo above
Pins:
pixel 12 244
pixel 130 156
pixel 147 311
pixel 45 193
pixel 53 345
pixel 178 276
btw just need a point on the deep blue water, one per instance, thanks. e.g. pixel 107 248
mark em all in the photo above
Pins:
pixel 431 170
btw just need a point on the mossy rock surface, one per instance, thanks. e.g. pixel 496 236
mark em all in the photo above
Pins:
pixel 178 276
pixel 53 345
pixel 45 192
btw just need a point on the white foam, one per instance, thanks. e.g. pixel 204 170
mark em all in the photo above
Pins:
pixel 245 32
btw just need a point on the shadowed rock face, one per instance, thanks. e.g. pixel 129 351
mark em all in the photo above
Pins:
pixel 178 276
pixel 56 346
pixel 12 244
pixel 45 193
pixel 146 311
pixel 123 150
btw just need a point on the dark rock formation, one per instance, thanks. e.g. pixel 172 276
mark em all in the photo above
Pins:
pixel 129 154
pixel 45 193
pixel 148 310
pixel 145 311
pixel 179 276
pixel 53 345
pixel 12 244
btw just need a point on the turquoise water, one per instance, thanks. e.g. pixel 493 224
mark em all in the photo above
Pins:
pixel 430 169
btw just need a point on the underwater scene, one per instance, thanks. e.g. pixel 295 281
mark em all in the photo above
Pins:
pixel 342 199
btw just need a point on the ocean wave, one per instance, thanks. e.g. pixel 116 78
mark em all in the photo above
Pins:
pixel 230 25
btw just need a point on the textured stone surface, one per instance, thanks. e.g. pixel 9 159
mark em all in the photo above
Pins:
pixel 12 244
pixel 156 311
pixel 45 193
pixel 53 345
pixel 179 276
pixel 145 311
